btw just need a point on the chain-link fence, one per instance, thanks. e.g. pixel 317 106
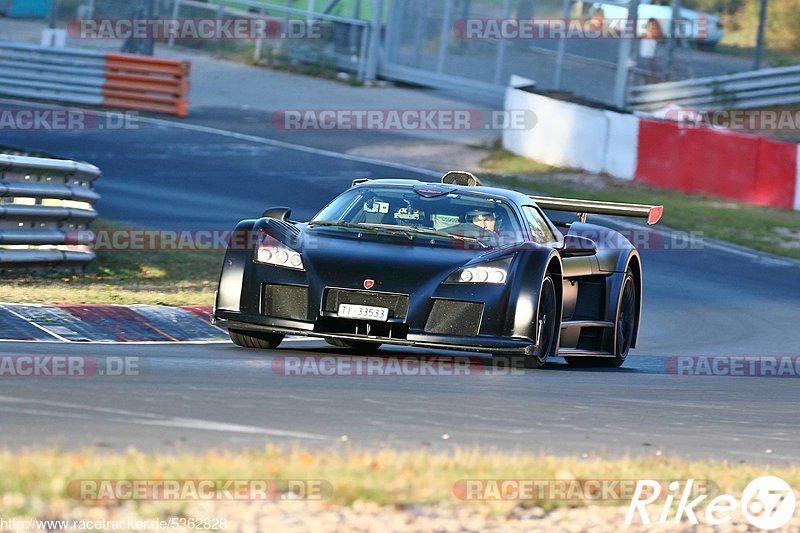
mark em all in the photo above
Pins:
pixel 420 41
pixel 424 38
pixel 293 36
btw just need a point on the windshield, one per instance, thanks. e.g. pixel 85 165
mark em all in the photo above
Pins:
pixel 425 212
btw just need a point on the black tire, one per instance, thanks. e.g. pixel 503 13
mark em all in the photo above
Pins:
pixel 356 347
pixel 625 329
pixel 547 324
pixel 256 340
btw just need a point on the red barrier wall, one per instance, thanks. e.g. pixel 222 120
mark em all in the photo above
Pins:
pixel 717 162
pixel 659 154
pixel 776 179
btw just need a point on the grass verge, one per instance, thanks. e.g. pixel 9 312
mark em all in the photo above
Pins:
pixel 156 277
pixel 37 482
pixel 772 58
pixel 771 230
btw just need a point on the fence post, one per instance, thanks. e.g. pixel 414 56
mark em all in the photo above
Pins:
pixel 220 14
pixel 362 53
pixel 501 48
pixel 673 39
pixel 562 48
pixel 176 7
pixel 624 60
pixel 447 22
pixel 375 35
pixel 762 20
pixel 259 41
pixel 421 9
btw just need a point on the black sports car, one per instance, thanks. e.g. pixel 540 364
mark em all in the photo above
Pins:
pixel 452 265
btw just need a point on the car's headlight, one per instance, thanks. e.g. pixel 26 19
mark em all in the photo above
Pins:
pixel 495 273
pixel 271 252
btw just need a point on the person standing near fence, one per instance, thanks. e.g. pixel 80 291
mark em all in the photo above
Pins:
pixel 648 48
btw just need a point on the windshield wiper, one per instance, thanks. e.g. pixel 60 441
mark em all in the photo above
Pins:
pixel 363 226
pixel 444 234
pixel 407 231
pixel 332 223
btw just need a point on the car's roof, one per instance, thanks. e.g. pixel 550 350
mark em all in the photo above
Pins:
pixel 495 192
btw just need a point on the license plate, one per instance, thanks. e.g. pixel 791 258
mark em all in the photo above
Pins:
pixel 364 312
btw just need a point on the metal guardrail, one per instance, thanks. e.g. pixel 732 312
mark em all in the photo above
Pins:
pixel 89 77
pixel 746 90
pixel 45 207
pixel 64 74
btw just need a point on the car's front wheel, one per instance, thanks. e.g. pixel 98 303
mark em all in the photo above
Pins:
pixel 546 325
pixel 256 340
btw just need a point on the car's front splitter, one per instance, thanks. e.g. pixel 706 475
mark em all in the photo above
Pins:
pixel 480 344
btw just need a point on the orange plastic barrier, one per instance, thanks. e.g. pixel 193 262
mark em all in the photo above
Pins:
pixel 145 83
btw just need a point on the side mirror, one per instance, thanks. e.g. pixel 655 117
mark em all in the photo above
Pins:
pixel 577 246
pixel 281 213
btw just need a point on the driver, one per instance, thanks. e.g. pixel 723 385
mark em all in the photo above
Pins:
pixel 483 219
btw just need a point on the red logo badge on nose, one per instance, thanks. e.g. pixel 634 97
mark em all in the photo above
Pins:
pixel 369 283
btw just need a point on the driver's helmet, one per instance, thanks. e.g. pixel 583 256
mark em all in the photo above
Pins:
pixel 476 215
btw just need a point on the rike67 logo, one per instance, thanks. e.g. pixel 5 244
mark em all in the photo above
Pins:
pixel 767 503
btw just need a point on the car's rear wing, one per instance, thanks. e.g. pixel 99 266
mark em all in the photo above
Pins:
pixel 652 213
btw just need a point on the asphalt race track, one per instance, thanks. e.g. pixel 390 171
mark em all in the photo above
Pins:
pixel 703 301
pixel 166 177
pixel 197 396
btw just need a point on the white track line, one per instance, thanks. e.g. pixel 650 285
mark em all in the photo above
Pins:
pixel 290 339
pixel 151 419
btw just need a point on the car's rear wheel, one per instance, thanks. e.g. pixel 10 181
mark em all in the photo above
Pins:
pixel 626 321
pixel 625 329
pixel 256 340
pixel 356 347
pixel 546 325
